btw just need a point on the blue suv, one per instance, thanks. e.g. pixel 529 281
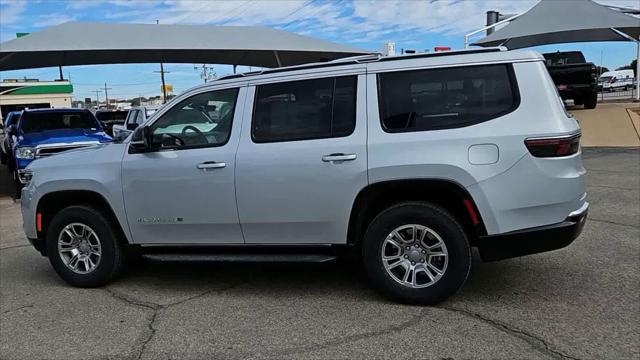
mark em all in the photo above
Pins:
pixel 45 132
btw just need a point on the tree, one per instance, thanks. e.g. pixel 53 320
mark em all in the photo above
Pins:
pixel 601 69
pixel 633 66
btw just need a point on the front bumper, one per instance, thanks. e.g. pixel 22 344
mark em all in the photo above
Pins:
pixel 533 240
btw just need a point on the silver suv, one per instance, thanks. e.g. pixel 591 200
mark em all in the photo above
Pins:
pixel 407 161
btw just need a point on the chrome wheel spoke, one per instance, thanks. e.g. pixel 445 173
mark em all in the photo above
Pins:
pixel 395 264
pixel 392 257
pixel 398 236
pixel 79 248
pixel 69 233
pixel 73 262
pixel 435 269
pixel 413 247
pixel 439 253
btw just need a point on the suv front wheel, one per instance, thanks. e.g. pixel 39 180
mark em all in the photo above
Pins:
pixel 83 248
pixel 416 253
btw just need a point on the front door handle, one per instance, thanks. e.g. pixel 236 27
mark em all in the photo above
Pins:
pixel 211 165
pixel 339 157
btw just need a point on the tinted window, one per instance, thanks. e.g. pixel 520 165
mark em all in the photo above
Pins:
pixel 564 58
pixel 112 116
pixel 200 120
pixel 307 109
pixel 55 120
pixel 445 98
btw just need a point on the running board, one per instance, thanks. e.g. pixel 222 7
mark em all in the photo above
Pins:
pixel 284 258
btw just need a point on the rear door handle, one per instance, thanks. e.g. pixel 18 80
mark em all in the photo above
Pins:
pixel 339 157
pixel 211 165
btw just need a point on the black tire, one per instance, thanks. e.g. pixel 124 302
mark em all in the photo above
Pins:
pixel 578 101
pixel 113 252
pixel 434 218
pixel 591 101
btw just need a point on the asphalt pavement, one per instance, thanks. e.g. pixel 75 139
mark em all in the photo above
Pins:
pixel 582 302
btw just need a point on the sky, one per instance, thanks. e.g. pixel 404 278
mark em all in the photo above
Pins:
pixel 411 24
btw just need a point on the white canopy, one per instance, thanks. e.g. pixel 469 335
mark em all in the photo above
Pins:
pixel 85 43
pixel 564 21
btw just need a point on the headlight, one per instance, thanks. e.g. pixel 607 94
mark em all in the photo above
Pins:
pixel 25 152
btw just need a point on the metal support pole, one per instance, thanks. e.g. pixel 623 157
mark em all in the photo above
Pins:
pixel 275 53
pixel 638 70
pixel 164 87
pixel 60 71
pixel 492 18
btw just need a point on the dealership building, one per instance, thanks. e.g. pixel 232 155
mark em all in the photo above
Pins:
pixel 18 94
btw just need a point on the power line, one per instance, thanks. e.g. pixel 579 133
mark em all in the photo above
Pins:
pixel 229 18
pixel 296 10
pixel 131 84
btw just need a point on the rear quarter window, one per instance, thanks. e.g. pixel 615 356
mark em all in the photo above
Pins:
pixel 434 99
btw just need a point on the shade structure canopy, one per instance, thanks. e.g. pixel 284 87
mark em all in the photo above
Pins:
pixel 564 21
pixel 85 43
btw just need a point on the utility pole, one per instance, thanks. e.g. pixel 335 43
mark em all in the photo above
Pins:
pixel 106 94
pixel 97 98
pixel 164 88
pixel 207 72
pixel 162 72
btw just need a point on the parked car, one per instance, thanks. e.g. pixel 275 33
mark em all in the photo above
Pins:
pixel 616 80
pixel 575 78
pixel 44 132
pixel 109 118
pixel 135 117
pixel 406 162
pixel 6 141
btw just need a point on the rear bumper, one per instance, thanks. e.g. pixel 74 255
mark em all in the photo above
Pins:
pixel 533 240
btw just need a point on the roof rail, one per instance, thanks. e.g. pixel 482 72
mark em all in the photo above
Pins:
pixel 364 59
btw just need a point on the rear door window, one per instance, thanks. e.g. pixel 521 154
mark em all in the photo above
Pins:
pixel 306 109
pixel 433 99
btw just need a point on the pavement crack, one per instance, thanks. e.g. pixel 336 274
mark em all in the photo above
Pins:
pixel 15 246
pixel 150 333
pixel 20 308
pixel 612 222
pixel 536 342
pixel 131 301
pixel 407 324
pixel 204 293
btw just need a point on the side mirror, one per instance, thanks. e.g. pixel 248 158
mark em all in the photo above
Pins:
pixel 132 126
pixel 11 129
pixel 141 140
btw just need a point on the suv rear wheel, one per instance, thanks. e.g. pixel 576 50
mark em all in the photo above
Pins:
pixel 83 248
pixel 416 253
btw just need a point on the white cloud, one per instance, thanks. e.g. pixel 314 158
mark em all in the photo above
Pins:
pixel 356 22
pixel 11 11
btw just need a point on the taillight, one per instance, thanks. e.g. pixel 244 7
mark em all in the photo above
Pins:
pixel 553 147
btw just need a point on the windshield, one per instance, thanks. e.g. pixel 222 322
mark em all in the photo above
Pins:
pixel 605 78
pixel 11 118
pixel 117 116
pixel 42 121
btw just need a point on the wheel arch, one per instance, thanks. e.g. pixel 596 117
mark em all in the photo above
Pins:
pixel 376 197
pixel 51 203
